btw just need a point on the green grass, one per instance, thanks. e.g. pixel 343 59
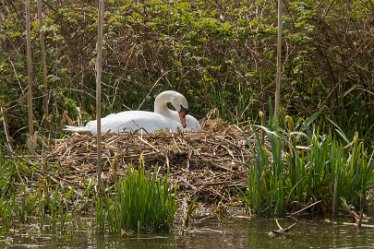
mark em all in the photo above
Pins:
pixel 23 195
pixel 296 169
pixel 30 193
pixel 142 202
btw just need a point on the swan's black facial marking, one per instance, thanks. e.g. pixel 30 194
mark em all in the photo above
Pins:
pixel 182 116
pixel 183 109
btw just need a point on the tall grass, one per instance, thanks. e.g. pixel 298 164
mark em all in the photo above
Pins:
pixel 142 202
pixel 23 195
pixel 295 169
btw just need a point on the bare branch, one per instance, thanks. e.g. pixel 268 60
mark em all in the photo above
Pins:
pixel 29 77
pixel 99 59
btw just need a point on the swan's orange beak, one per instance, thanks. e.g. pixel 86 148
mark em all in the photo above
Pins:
pixel 182 117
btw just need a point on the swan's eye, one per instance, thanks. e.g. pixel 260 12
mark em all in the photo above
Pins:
pixel 170 106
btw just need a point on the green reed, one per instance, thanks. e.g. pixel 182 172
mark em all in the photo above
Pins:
pixel 295 169
pixel 142 202
pixel 25 194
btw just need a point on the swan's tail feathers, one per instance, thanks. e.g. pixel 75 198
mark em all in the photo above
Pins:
pixel 79 129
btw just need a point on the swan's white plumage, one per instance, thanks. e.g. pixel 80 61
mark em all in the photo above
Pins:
pixel 192 124
pixel 130 121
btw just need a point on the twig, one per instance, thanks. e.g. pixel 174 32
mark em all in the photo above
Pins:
pixel 221 167
pixel 17 78
pixel 6 132
pixel 150 145
pixel 151 90
pixel 305 208
pixel 355 224
pixel 281 231
pixel 356 217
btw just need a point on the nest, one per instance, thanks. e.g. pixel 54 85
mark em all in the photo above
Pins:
pixel 208 164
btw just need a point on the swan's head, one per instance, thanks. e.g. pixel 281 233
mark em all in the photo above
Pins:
pixel 177 100
pixel 181 106
pixel 183 116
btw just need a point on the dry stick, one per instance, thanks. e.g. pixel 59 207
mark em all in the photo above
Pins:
pixel 357 217
pixel 29 78
pixel 281 230
pixel 98 89
pixel 150 91
pixel 6 132
pixel 150 145
pixel 18 81
pixel 44 65
pixel 279 63
pixel 305 208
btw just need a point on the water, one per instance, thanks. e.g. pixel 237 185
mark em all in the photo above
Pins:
pixel 223 234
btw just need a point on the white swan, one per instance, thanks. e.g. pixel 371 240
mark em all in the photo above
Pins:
pixel 161 118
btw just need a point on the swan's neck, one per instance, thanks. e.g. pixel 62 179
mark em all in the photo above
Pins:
pixel 160 105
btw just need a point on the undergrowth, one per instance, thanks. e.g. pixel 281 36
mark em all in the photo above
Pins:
pixel 295 169
pixel 26 194
pixel 32 194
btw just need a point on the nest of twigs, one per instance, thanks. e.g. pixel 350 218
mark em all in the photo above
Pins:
pixel 208 164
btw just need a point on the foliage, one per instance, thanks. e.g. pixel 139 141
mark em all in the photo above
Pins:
pixel 142 202
pixel 20 200
pixel 218 53
pixel 299 169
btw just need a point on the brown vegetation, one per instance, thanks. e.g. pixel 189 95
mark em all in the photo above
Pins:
pixel 209 164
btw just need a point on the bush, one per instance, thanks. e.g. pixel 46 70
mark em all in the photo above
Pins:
pixel 218 54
